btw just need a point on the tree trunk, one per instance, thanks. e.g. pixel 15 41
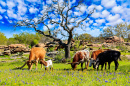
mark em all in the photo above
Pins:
pixel 67 51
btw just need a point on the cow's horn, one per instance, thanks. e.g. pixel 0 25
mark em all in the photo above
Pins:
pixel 76 62
pixel 22 66
pixel 69 63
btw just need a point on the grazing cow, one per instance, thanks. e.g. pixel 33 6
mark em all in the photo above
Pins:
pixel 108 56
pixel 47 64
pixel 94 57
pixel 81 57
pixel 36 54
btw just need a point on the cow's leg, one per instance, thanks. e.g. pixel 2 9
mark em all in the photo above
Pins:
pixel 52 68
pixel 116 64
pixel 46 69
pixel 41 65
pixel 98 68
pixel 109 65
pixel 102 66
pixel 94 66
pixel 36 63
pixel 81 66
pixel 87 64
pixel 31 66
pixel 75 66
pixel 105 65
pixel 97 65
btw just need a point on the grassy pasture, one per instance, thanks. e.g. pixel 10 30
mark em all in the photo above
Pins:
pixel 63 75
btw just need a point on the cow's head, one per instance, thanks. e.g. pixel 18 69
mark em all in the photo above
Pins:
pixel 92 61
pixel 74 64
pixel 30 64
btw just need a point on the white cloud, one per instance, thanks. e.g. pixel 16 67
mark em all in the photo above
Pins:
pixel 95 24
pixel 83 8
pixel 91 7
pixel 33 10
pixel 118 21
pixel 71 20
pixel 111 18
pixel 117 9
pixel 1 17
pixel 77 13
pixel 50 25
pixel 105 13
pixel 96 15
pixel 10 4
pixel 108 3
pixel 2 10
pixel 33 0
pixel 45 28
pixel 91 21
pixel 48 1
pixel 2 3
pixel 6 17
pixel 22 9
pixel 99 7
pixel 35 19
pixel 100 21
pixel 73 1
pixel 94 32
pixel 11 14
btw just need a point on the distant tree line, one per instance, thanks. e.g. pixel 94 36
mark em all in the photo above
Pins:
pixel 120 30
pixel 23 38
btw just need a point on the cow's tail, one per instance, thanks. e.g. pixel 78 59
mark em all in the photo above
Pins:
pixel 120 57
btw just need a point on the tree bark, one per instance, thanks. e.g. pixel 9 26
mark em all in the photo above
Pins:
pixel 67 51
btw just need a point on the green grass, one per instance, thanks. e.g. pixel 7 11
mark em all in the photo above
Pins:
pixel 124 53
pixel 63 75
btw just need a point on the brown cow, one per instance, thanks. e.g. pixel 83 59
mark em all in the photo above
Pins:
pixel 80 57
pixel 94 57
pixel 36 54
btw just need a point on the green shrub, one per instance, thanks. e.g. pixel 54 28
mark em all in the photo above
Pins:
pixel 50 49
pixel 60 56
pixel 122 48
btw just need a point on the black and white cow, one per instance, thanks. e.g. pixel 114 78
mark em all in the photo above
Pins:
pixel 108 56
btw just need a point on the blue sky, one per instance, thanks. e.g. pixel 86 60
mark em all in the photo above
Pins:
pixel 107 13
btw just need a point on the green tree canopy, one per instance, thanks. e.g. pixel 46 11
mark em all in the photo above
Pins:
pixel 107 32
pixel 120 30
pixel 12 41
pixel 86 37
pixel 3 39
pixel 27 38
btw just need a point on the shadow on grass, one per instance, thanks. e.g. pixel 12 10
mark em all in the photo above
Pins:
pixel 70 69
pixel 19 69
